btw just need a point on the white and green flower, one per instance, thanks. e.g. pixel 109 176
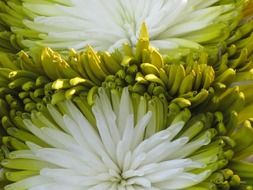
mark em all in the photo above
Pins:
pixel 134 117
pixel 109 24
pixel 118 153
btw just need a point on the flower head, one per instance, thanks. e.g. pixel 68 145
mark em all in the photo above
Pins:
pixel 109 24
pixel 118 153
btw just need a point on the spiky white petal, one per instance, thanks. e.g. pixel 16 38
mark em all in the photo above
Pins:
pixel 115 156
pixel 107 24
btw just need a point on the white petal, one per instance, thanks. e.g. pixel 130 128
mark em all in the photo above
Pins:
pixel 124 110
pixel 64 159
pixel 140 129
pixel 28 183
pixel 55 186
pixel 183 181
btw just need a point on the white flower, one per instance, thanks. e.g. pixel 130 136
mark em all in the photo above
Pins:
pixel 107 24
pixel 116 155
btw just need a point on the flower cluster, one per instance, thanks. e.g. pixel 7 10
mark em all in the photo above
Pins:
pixel 161 105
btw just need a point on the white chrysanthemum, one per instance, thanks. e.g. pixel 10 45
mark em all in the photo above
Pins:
pixel 116 156
pixel 107 24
